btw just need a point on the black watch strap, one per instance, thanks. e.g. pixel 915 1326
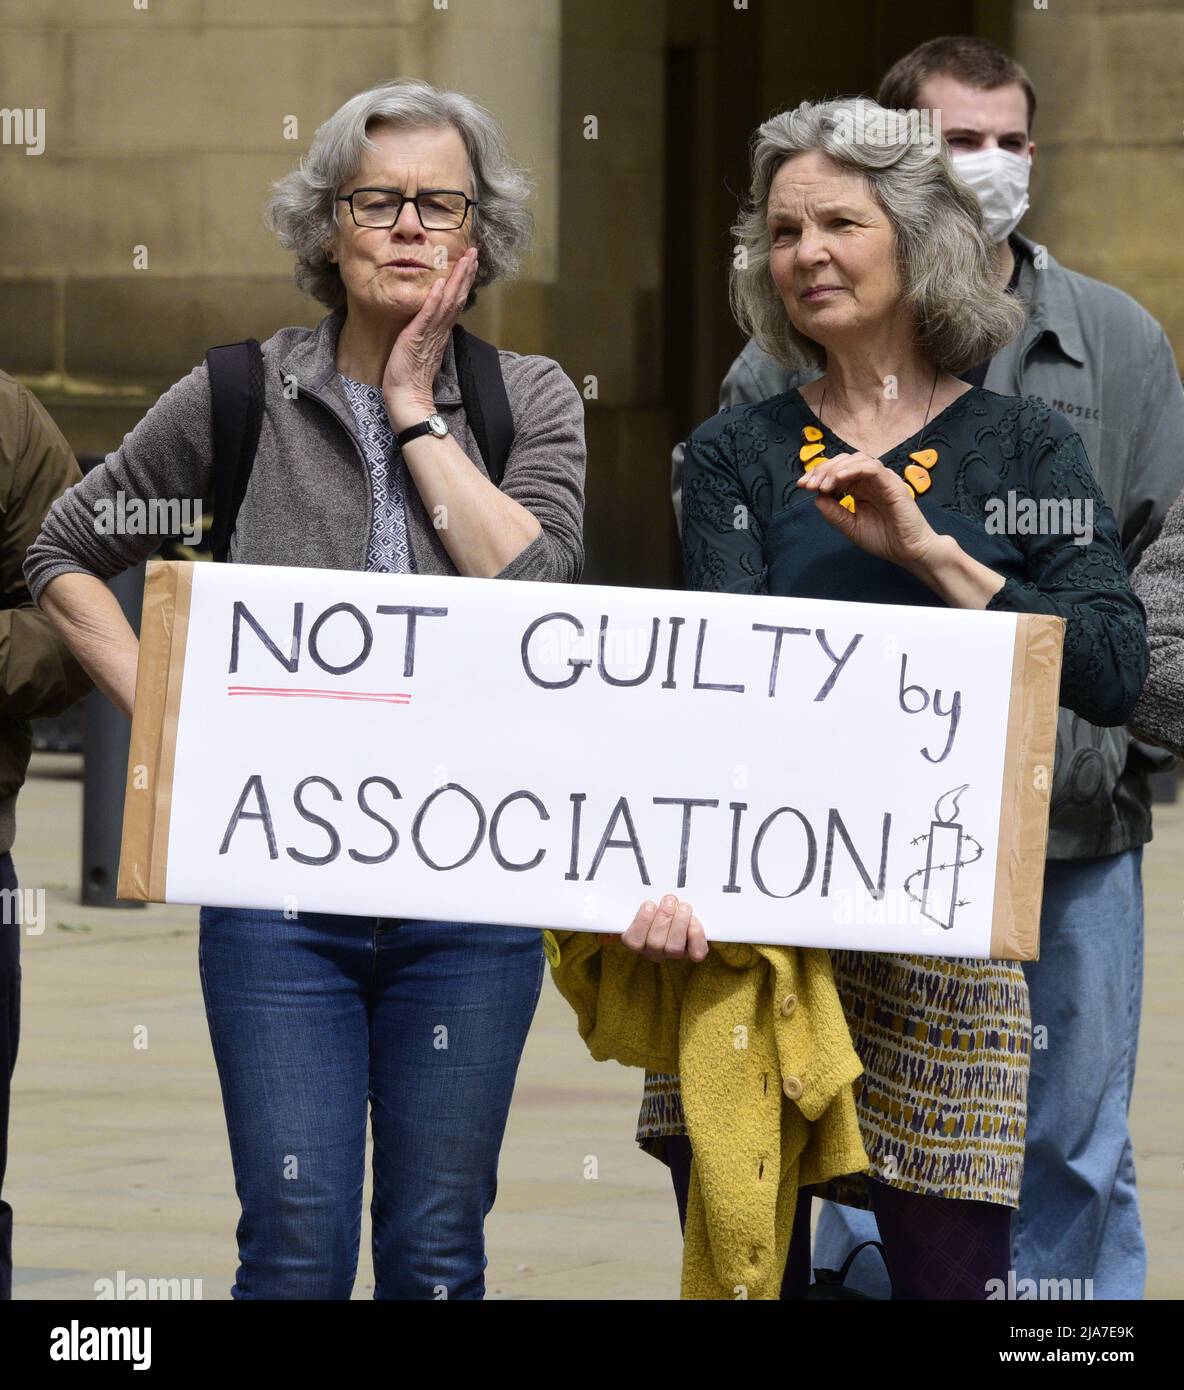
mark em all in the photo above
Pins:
pixel 424 427
pixel 406 436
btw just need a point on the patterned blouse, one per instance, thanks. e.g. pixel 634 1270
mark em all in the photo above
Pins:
pixel 388 551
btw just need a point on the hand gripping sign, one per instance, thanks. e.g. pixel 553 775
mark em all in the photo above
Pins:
pixel 805 772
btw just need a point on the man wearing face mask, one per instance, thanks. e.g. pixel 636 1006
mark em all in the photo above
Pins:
pixel 1091 352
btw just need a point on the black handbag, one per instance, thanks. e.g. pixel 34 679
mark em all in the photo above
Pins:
pixel 830 1283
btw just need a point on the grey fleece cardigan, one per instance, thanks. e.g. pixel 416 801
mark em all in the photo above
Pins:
pixel 309 501
pixel 1159 582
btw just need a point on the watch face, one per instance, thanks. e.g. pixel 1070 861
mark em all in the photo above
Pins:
pixel 437 426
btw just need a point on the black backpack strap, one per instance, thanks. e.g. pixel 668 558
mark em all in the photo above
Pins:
pixel 483 393
pixel 236 411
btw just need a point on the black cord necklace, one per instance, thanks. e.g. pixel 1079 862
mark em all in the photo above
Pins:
pixel 916 472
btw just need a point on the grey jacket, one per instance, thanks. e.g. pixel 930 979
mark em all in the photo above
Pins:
pixel 309 500
pixel 1159 582
pixel 1093 353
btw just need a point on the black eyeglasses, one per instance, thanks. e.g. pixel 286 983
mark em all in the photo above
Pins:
pixel 438 209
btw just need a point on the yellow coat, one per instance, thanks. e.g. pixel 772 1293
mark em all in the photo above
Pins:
pixel 758 1036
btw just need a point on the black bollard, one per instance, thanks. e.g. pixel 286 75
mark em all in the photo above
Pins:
pixel 106 740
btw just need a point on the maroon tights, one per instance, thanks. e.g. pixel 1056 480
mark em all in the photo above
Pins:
pixel 935 1247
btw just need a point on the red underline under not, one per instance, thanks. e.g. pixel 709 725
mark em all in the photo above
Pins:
pixel 384 697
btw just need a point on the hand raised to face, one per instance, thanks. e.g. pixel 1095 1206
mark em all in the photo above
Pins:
pixel 411 369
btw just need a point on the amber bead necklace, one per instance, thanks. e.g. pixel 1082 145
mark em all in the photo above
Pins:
pixel 916 472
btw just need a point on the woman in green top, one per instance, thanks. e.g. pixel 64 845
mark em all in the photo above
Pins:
pixel 889 479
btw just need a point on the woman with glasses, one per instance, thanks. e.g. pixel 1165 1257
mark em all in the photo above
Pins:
pixel 405 204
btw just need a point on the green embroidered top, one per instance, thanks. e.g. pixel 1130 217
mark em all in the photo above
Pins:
pixel 1012 484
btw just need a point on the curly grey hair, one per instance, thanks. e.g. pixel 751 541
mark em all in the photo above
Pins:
pixel 944 257
pixel 302 210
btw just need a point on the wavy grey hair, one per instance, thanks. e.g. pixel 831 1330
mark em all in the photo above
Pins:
pixel 945 258
pixel 303 213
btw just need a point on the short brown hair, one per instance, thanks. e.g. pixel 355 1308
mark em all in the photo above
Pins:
pixel 973 61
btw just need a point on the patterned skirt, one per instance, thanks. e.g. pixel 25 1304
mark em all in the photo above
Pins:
pixel 942 1102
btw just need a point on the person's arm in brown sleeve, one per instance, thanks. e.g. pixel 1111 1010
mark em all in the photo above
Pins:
pixel 39 675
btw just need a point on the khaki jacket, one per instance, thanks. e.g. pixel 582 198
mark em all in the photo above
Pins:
pixel 38 674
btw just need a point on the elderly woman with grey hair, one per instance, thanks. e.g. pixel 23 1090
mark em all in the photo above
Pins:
pixel 882 482
pixel 405 203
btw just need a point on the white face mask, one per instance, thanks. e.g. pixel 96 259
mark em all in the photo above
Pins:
pixel 999 180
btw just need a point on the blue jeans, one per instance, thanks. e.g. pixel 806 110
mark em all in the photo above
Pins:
pixel 1078 1216
pixel 315 1019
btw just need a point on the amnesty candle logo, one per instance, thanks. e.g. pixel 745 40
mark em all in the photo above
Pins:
pixel 77 1343
pixel 945 856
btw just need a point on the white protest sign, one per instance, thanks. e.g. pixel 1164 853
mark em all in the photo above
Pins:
pixel 813 773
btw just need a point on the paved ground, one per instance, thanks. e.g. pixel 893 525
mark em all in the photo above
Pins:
pixel 118 1155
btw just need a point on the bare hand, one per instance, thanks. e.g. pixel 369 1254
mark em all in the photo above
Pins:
pixel 409 381
pixel 668 930
pixel 886 522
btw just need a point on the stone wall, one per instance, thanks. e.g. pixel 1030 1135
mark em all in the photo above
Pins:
pixel 1108 182
pixel 166 121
